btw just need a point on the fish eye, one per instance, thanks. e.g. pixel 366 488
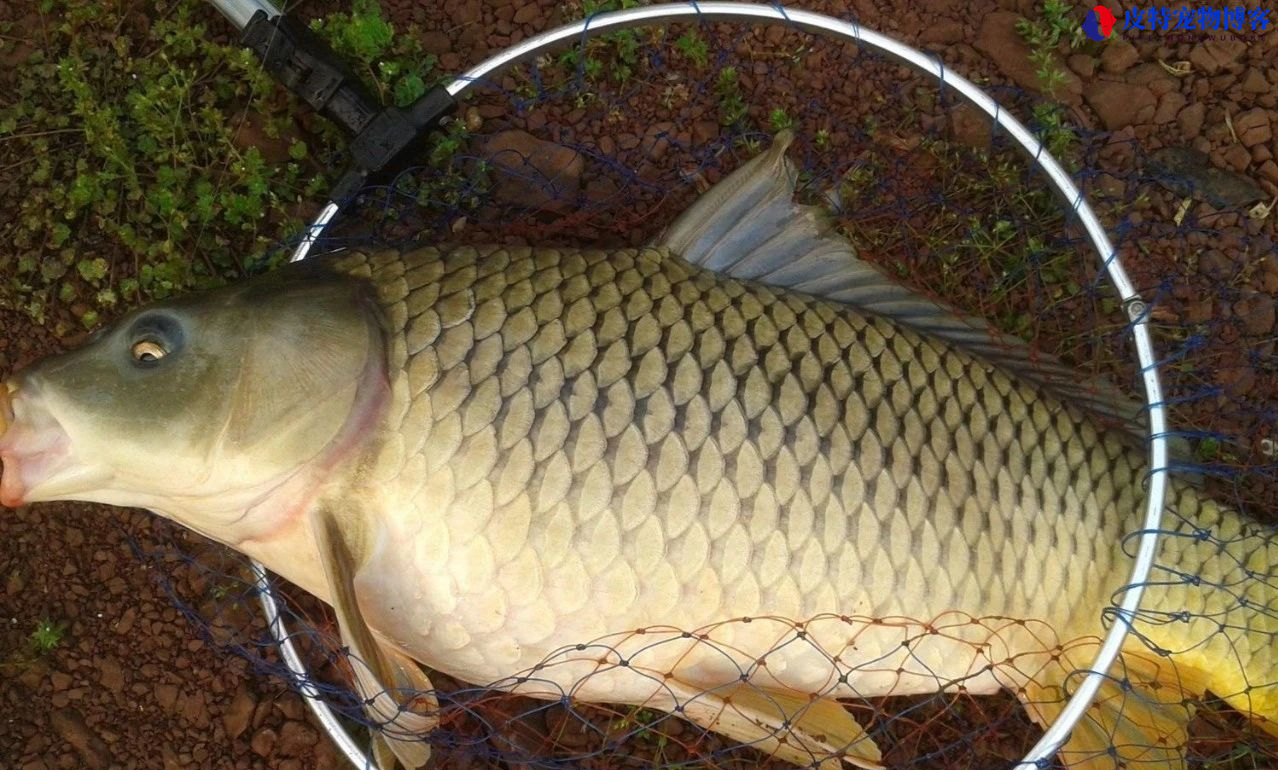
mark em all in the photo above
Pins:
pixel 154 337
pixel 148 351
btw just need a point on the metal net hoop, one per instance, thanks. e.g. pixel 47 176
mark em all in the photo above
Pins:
pixel 1058 178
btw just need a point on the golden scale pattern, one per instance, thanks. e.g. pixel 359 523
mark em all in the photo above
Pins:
pixel 592 441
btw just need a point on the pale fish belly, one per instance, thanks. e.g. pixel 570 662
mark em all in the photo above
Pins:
pixel 591 453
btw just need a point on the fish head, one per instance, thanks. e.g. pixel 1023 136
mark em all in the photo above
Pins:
pixel 201 406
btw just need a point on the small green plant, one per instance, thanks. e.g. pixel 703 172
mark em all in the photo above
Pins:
pixel 1056 136
pixel 1043 35
pixel 615 54
pixel 1053 22
pixel 732 107
pixel 822 139
pixel 1008 256
pixel 394 66
pixel 626 54
pixel 1207 450
pixel 641 722
pixel 858 181
pixel 780 119
pixel 47 636
pixel 452 184
pixel 646 724
pixel 1048 72
pixel 136 184
pixel 693 46
pixel 591 67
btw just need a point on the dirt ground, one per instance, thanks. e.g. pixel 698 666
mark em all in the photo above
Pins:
pixel 135 683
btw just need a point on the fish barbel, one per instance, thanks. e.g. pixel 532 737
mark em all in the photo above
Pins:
pixel 735 475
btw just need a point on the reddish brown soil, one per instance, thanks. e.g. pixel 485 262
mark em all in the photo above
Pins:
pixel 134 685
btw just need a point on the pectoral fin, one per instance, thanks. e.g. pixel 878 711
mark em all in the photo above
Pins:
pixel 1139 719
pixel 787 725
pixel 397 730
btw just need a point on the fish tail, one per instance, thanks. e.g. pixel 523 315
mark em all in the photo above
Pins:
pixel 1207 623
pixel 1212 606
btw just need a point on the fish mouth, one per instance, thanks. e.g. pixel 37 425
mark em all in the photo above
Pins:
pixel 35 451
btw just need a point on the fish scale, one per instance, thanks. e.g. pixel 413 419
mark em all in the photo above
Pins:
pixel 701 448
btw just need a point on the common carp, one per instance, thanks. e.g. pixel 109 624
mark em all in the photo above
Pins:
pixel 736 475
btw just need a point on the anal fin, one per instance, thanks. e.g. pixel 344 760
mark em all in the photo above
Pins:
pixel 1138 721
pixel 382 676
pixel 805 731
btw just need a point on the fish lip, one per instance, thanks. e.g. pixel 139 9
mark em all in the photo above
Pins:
pixel 10 493
pixel 34 448
pixel 6 405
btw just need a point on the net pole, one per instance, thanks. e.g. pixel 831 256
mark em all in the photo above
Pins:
pixel 301 675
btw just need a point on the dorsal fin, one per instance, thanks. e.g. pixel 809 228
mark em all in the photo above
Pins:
pixel 748 226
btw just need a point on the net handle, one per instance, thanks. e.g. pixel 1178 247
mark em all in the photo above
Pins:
pixel 241 12
pixel 1137 310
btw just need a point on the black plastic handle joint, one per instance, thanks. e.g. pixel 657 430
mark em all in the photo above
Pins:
pixel 308 67
pixel 389 136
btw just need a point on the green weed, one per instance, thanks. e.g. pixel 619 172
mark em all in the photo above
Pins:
pixel 46 637
pixel 993 244
pixel 1059 139
pixel 1054 22
pixel 1048 72
pixel 1043 34
pixel 1207 450
pixel 592 67
pixel 451 183
pixel 615 54
pixel 732 106
pixel 128 145
pixel 859 180
pixel 143 168
pixel 780 119
pixel 870 125
pixel 394 66
pixel 694 47
pixel 643 723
